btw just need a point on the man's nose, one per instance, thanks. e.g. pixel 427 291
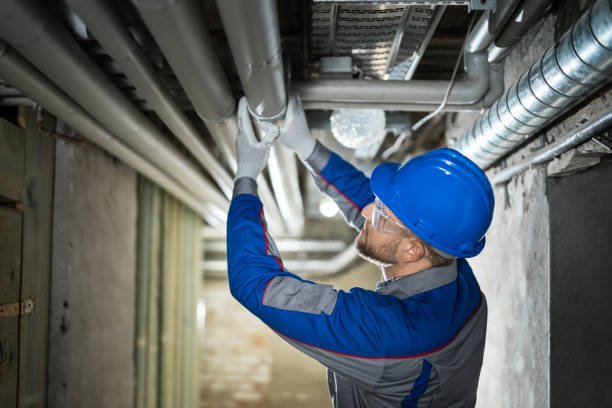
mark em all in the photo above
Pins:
pixel 367 211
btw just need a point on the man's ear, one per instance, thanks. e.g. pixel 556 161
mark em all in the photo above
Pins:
pixel 413 250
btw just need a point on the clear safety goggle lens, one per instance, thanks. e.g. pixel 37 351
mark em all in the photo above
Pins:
pixel 382 221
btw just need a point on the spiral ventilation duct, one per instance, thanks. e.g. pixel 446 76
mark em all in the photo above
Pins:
pixel 568 72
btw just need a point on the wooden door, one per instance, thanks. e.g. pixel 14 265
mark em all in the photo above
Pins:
pixel 26 186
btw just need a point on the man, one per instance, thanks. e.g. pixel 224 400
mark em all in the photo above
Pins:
pixel 418 339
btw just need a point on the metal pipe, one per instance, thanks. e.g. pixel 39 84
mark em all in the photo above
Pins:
pixel 501 15
pixel 370 92
pixel 286 245
pixel 496 84
pixel 566 74
pixel 525 16
pixel 50 47
pixel 8 91
pixel 593 128
pixel 15 101
pixel 105 23
pixel 480 37
pixel 251 27
pixel 308 268
pixel 172 23
pixel 405 107
pixel 284 175
pixel 21 74
pixel 179 30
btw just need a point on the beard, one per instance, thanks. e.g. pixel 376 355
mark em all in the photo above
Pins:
pixel 383 255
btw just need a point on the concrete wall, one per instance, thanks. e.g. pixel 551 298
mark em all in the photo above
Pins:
pixel 515 268
pixel 91 358
pixel 580 304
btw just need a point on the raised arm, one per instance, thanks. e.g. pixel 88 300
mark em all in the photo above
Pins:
pixel 337 178
pixel 339 329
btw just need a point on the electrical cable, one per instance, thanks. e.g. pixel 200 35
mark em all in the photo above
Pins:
pixel 433 114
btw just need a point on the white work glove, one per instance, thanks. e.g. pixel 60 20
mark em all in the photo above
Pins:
pixel 294 132
pixel 252 155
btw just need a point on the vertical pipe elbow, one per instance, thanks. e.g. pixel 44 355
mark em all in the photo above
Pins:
pixel 473 89
pixel 496 84
pixel 254 37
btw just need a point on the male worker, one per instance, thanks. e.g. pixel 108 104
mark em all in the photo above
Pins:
pixel 418 339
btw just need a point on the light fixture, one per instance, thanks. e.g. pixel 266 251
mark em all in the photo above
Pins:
pixel 358 128
pixel 327 207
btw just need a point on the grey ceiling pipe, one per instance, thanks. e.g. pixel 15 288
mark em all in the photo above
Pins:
pixel 566 74
pixel 284 175
pixel 490 25
pixel 179 30
pixel 406 107
pixel 251 27
pixel 496 84
pixel 15 101
pixel 501 15
pixel 105 23
pixel 368 93
pixel 26 25
pixel 21 74
pixel 480 37
pixel 524 17
pixel 311 268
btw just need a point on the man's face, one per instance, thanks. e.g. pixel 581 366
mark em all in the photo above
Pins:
pixel 376 246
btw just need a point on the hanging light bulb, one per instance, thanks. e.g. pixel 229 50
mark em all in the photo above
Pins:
pixel 358 127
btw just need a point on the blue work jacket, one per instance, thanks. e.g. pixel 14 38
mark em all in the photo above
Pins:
pixel 416 341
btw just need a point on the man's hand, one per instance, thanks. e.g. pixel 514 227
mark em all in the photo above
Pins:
pixel 252 155
pixel 294 132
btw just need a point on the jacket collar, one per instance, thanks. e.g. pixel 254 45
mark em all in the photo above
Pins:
pixel 419 282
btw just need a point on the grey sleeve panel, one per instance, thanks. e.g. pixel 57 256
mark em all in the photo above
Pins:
pixel 271 245
pixel 318 158
pixel 351 214
pixel 245 185
pixel 288 293
pixel 315 163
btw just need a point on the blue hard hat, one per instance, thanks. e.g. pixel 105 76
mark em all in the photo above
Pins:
pixel 442 196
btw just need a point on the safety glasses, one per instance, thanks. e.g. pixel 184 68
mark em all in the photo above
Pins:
pixel 383 222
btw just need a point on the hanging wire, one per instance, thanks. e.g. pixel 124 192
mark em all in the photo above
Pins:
pixel 433 114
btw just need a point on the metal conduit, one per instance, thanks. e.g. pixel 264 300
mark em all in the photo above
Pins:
pixel 525 16
pixel 309 268
pixel 179 30
pixel 566 74
pixel 490 25
pixel 21 74
pixel 368 93
pixel 480 37
pixel 114 36
pixel 251 27
pixel 593 128
pixel 50 47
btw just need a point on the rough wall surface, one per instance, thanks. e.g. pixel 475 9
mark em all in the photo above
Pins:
pixel 581 233
pixel 515 268
pixel 91 359
pixel 513 273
